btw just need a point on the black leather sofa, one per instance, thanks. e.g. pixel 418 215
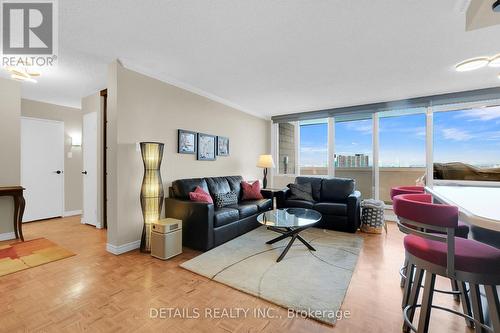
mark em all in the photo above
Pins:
pixel 335 198
pixel 204 226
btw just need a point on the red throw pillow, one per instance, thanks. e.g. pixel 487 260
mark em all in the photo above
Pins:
pixel 199 195
pixel 251 191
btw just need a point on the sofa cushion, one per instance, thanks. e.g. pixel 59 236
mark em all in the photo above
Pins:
pixel 301 192
pixel 199 195
pixel 182 187
pixel 234 184
pixel 262 204
pixel 245 209
pixel 217 185
pixel 299 203
pixel 225 199
pixel 336 189
pixel 251 191
pixel 331 208
pixel 225 215
pixel 315 184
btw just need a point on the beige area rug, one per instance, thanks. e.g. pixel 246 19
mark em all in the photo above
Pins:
pixel 312 282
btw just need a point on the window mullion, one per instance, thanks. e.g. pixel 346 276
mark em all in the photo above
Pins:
pixel 429 138
pixel 331 147
pixel 375 168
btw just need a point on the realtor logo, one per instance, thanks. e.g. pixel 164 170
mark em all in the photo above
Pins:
pixel 29 28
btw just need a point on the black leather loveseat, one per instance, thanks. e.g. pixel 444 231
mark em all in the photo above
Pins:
pixel 204 226
pixel 335 198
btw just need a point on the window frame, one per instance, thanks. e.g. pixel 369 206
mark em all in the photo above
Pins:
pixel 429 146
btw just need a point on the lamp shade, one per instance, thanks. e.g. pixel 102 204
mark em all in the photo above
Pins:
pixel 151 190
pixel 265 161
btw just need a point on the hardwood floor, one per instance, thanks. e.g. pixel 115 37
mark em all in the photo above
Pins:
pixel 98 292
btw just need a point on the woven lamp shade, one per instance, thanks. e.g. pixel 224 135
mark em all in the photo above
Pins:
pixel 152 189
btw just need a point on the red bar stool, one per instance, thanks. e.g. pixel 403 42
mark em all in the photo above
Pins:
pixel 465 260
pixel 398 191
pixel 462 230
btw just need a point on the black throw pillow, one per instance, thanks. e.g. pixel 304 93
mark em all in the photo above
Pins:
pixel 301 192
pixel 226 199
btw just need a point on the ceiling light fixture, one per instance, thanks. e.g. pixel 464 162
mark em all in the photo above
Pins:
pixel 495 61
pixel 496 6
pixel 471 64
pixel 22 74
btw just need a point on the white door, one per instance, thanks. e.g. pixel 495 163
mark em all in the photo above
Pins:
pixel 42 168
pixel 89 146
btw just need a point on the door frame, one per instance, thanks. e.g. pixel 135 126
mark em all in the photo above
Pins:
pixel 63 205
pixel 104 218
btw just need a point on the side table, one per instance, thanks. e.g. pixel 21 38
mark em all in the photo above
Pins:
pixel 16 192
pixel 270 193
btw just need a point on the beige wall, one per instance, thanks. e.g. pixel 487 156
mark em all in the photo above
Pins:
pixel 144 109
pixel 10 147
pixel 72 119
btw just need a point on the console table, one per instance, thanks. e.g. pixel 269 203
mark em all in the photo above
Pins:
pixel 16 192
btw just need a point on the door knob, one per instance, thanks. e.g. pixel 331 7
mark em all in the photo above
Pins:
pixel 58 172
pixel 84 172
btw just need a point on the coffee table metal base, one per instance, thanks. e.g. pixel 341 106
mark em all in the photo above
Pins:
pixel 285 233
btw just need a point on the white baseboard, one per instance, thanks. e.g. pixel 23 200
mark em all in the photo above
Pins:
pixel 8 236
pixel 119 249
pixel 72 213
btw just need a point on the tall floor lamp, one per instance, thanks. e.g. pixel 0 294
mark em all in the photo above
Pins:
pixel 265 162
pixel 152 190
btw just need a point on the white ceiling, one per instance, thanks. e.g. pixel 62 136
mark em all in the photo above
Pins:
pixel 270 57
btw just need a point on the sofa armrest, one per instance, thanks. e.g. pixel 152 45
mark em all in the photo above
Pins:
pixel 281 196
pixel 197 222
pixel 354 210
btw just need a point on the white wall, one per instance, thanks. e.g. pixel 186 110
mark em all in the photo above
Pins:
pixel 144 109
pixel 10 147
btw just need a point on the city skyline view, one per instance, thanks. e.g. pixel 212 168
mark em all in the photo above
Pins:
pixel 468 136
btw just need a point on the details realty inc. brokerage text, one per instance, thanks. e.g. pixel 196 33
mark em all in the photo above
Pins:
pixel 237 312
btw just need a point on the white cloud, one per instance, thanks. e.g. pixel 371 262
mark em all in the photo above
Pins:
pixel 362 126
pixel 482 114
pixel 456 134
pixel 306 149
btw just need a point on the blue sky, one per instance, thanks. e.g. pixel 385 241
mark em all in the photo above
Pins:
pixel 470 136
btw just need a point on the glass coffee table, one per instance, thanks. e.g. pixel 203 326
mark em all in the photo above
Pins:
pixel 289 222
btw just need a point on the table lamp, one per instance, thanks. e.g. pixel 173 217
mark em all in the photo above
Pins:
pixel 265 162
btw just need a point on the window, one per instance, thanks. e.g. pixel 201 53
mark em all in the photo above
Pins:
pixel 286 147
pixel 402 136
pixel 467 144
pixel 353 151
pixel 313 147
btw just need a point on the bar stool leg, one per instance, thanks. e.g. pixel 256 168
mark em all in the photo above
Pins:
pixel 477 310
pixel 465 300
pixel 454 287
pixel 408 283
pixel 493 307
pixel 405 272
pixel 415 291
pixel 425 310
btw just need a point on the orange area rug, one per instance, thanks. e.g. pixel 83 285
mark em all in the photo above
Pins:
pixel 23 255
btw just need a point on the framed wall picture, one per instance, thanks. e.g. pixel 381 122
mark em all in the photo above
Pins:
pixel 186 142
pixel 222 146
pixel 206 147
